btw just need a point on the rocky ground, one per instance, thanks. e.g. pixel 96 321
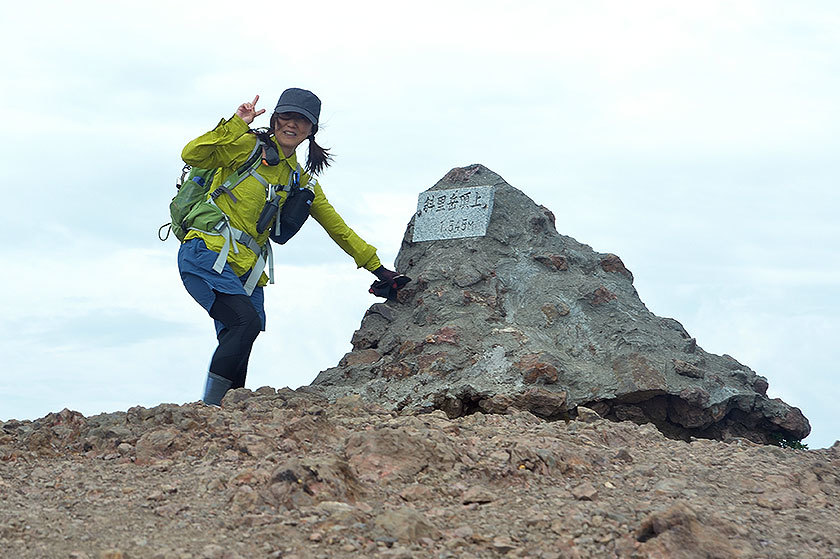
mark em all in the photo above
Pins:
pixel 287 474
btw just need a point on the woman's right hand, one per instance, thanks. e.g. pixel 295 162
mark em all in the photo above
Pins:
pixel 248 112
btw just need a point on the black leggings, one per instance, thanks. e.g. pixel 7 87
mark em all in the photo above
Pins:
pixel 242 325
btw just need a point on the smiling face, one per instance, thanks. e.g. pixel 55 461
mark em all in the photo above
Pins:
pixel 290 129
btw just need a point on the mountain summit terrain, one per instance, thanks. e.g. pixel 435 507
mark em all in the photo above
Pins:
pixel 516 401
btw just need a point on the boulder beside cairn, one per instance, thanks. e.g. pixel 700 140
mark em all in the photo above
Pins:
pixel 524 318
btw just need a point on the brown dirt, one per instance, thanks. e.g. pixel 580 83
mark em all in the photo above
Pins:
pixel 290 475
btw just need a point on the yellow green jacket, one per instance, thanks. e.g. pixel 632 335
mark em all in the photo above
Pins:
pixel 227 147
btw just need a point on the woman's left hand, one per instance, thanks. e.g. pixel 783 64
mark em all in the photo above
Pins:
pixel 384 274
pixel 388 283
pixel 248 112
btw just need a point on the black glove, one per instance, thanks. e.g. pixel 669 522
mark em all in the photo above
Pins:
pixel 384 274
pixel 388 283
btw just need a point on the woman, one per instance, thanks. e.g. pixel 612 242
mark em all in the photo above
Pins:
pixel 215 266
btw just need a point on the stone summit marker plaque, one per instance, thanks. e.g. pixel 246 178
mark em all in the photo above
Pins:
pixel 453 213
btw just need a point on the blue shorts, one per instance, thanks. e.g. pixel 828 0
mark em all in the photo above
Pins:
pixel 195 263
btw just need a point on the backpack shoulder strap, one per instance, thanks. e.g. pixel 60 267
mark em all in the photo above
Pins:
pixel 309 181
pixel 294 180
pixel 245 170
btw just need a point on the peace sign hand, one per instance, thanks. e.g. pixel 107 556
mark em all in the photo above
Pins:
pixel 247 112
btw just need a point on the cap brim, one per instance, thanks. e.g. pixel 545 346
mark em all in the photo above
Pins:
pixel 299 110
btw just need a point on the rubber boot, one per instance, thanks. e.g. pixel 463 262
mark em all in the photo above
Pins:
pixel 215 389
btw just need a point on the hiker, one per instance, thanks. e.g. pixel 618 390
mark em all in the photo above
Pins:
pixel 217 264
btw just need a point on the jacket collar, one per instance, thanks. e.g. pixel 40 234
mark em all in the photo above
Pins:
pixel 291 161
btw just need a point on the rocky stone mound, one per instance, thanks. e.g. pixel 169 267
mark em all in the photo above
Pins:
pixel 526 318
pixel 288 474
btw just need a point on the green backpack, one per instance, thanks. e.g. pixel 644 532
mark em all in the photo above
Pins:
pixel 192 208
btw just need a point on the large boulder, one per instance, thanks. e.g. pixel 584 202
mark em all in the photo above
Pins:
pixel 527 318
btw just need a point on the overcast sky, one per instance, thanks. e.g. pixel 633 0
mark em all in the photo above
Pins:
pixel 696 140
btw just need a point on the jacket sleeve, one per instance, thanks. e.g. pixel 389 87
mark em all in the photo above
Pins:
pixel 217 148
pixel 323 212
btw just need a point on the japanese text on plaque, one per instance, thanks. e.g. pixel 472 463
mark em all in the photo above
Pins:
pixel 453 213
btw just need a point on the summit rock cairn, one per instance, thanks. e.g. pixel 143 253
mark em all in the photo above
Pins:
pixel 526 319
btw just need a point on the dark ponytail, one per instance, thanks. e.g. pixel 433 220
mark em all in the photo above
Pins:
pixel 318 158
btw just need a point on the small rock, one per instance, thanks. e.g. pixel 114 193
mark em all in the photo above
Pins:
pixel 382 310
pixel 446 335
pixel 623 455
pixel 781 499
pixel 553 311
pixel 670 486
pixel 602 295
pixel 538 368
pixel 687 369
pixel 554 262
pixel 360 357
pixel 155 496
pixel 613 264
pixel 467 275
pixel 542 402
pixel 212 551
pixel 415 492
pixel 157 444
pixel 404 524
pixel 464 532
pixel 587 415
pixel 584 492
pixel 332 507
pixel 39 473
pixel 503 544
pixel 477 494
